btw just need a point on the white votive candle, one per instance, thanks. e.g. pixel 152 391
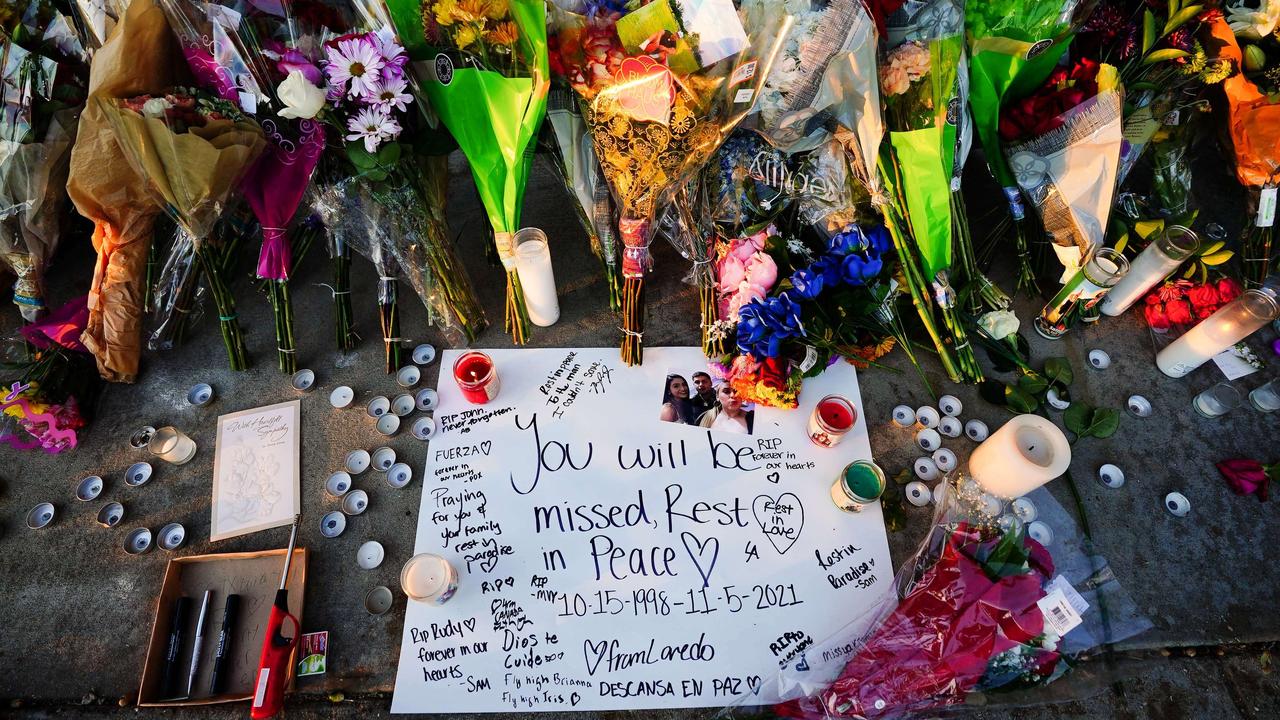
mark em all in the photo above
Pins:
pixel 537 279
pixel 1025 453
pixel 1232 323
pixel 1165 253
pixel 429 578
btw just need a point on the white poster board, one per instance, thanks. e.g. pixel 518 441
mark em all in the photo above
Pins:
pixel 255 470
pixel 610 561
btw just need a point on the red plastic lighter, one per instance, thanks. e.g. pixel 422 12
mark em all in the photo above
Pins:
pixel 277 650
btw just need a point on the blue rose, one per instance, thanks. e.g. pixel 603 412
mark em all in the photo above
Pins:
pixel 849 240
pixel 808 283
pixel 878 239
pixel 857 270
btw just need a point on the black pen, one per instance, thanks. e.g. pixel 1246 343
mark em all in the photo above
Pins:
pixel 197 646
pixel 177 629
pixel 229 613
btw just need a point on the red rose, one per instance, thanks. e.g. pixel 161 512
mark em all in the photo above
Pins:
pixel 1203 296
pixel 1178 312
pixel 1246 477
pixel 1156 317
pixel 773 374
pixel 1153 298
pixel 1229 289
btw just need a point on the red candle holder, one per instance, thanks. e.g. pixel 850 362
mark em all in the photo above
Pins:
pixel 832 417
pixel 476 376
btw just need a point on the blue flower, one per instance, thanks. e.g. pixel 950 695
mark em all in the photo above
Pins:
pixel 857 270
pixel 764 324
pixel 808 282
pixel 849 240
pixel 829 267
pixel 878 239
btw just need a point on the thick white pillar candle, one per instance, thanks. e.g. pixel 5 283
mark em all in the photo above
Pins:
pixel 1025 453
pixel 1165 253
pixel 533 264
pixel 1232 323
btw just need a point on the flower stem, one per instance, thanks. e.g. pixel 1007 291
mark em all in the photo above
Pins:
pixel 229 324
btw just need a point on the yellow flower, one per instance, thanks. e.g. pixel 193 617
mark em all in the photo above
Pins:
pixel 502 34
pixel 465 36
pixel 469 11
pixel 444 11
pixel 497 9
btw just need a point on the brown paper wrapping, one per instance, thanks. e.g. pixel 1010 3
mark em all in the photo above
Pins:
pixel 140 57
pixel 1252 120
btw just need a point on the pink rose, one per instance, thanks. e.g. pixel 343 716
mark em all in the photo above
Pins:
pixel 732 273
pixel 762 271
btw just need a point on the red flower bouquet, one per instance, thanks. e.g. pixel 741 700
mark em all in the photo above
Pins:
pixel 973 615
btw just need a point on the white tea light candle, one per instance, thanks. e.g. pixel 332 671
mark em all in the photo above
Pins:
pixel 1025 453
pixel 537 279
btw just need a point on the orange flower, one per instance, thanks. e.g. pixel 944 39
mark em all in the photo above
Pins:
pixel 503 33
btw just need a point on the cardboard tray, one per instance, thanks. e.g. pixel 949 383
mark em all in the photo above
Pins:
pixel 254 576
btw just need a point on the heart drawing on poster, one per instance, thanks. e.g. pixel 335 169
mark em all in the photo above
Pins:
pixel 780 518
pixel 703 553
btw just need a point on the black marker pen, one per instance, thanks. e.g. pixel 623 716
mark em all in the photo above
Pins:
pixel 229 614
pixel 177 629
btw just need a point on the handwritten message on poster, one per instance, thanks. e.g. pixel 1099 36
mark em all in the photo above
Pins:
pixel 609 559
pixel 255 470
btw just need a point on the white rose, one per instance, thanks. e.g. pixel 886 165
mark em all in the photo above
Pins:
pixel 301 98
pixel 155 107
pixel 999 324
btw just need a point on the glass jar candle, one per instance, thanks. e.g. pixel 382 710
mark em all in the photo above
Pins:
pixel 476 376
pixel 1232 323
pixel 429 578
pixel 1084 290
pixel 832 418
pixel 858 485
pixel 1152 265
pixel 172 445
pixel 537 279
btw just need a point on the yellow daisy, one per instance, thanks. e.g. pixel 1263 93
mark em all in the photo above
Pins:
pixel 444 10
pixel 466 35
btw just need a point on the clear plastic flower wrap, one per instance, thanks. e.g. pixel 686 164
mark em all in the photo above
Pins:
pixel 193 150
pixel 402 228
pixel 981 609
pixel 657 107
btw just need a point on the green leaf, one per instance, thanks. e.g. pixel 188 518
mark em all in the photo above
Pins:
pixel 389 154
pixel 1077 417
pixel 1147 228
pixel 1148 31
pixel 1106 421
pixel 1058 370
pixel 360 157
pixel 1211 248
pixel 1033 385
pixel 1180 18
pixel 1123 242
pixel 1191 270
pixel 1020 401
pixel 1163 55
pixel 1217 258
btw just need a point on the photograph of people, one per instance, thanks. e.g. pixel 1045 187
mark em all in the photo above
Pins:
pixel 729 415
pixel 676 406
pixel 704 394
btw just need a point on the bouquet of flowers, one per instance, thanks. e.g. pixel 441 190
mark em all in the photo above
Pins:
pixel 1182 302
pixel 112 193
pixel 98 18
pixel 1253 124
pixel 980 607
pixel 487 79
pixel 659 114
pixel 258 62
pixel 1161 63
pixel 1013 47
pixel 49 397
pixel 574 160
pixel 918 81
pixel 193 149
pixel 1062 143
pixel 42 89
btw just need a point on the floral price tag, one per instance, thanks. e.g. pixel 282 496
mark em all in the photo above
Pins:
pixel 1059 615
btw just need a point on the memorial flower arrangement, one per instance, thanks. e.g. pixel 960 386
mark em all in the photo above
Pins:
pixel 1248 477
pixel 487 80
pixel 44 78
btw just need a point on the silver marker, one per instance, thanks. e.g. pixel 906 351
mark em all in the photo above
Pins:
pixel 198 645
